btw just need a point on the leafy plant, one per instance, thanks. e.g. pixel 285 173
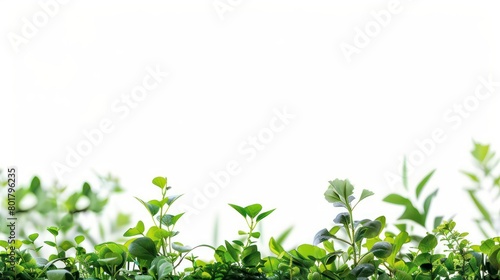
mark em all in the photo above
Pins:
pixel 485 190
pixel 412 216
pixel 39 205
pixel 239 259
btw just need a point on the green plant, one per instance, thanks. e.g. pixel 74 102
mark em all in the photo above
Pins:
pixel 485 190
pixel 39 205
pixel 239 259
pixel 412 216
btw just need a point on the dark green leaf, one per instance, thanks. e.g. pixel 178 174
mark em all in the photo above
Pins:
pixel 342 218
pixel 322 235
pixel 381 249
pixel 143 248
pixel 232 252
pixel 363 270
pixel 250 257
pixel 35 185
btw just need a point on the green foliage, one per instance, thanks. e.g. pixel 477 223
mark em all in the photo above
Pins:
pixel 352 248
pixel 484 191
pixel 39 205
pixel 412 216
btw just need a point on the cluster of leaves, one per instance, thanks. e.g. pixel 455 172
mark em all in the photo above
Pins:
pixel 38 206
pixel 351 249
pixel 484 190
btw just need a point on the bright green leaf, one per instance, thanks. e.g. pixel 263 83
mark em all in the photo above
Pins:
pixel 160 182
pixel 253 210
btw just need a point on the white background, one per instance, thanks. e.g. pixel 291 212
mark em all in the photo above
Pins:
pixel 354 116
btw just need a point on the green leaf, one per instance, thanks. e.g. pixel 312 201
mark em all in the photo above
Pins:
pixel 405 174
pixel 152 209
pixel 161 182
pixel 283 236
pixel 481 208
pixel 428 243
pixel 427 203
pixel 170 220
pixel 35 185
pixel 399 241
pixel 410 213
pixel 322 235
pixel 363 270
pixel 162 267
pixel 172 199
pixel 53 230
pixel 339 191
pixel 381 249
pixel 275 247
pixel 312 252
pixel 365 194
pixel 480 151
pixel 79 239
pixel 232 252
pixel 50 243
pixel 342 218
pixel 422 183
pixel 263 215
pixel 143 248
pixel 59 274
pixel 253 210
pixel 487 245
pixel 66 245
pixel 240 210
pixel 138 229
pixel 373 229
pixel 180 248
pixel 250 257
pixel 86 189
pixel 471 176
pixel 33 236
